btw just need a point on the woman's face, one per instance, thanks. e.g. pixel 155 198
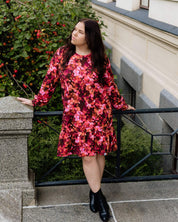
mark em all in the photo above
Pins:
pixel 78 35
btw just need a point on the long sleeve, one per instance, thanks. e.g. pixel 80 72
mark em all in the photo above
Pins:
pixel 117 101
pixel 49 83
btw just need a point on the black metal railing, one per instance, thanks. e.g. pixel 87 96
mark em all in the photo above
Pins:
pixel 118 177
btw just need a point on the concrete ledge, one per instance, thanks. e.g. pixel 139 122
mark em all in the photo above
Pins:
pixel 168 100
pixel 8 109
pixel 132 74
pixel 152 121
pixel 123 86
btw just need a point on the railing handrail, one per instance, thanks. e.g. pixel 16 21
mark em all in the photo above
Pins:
pixel 152 110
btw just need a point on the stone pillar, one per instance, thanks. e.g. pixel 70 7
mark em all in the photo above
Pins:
pixel 16 182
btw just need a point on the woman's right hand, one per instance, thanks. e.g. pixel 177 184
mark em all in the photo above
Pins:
pixel 25 101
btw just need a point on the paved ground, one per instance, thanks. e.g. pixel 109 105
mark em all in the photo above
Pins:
pixel 155 201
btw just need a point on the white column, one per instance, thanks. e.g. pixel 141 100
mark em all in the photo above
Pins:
pixel 129 5
pixel 105 1
pixel 164 11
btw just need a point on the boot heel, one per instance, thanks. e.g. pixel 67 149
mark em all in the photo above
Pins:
pixel 102 206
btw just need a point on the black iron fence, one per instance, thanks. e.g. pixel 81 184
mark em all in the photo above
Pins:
pixel 118 177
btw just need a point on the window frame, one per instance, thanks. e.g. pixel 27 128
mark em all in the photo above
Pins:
pixel 143 6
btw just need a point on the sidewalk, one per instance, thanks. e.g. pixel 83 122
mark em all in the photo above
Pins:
pixel 153 201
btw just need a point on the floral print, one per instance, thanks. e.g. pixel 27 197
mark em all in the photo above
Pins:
pixel 87 127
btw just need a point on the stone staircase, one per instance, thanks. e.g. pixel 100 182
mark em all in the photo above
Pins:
pixel 153 201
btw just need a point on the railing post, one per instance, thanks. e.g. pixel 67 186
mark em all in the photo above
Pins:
pixel 118 144
pixel 16 183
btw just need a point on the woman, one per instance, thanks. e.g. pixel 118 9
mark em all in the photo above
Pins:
pixel 88 94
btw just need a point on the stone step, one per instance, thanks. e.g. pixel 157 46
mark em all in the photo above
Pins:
pixel 152 201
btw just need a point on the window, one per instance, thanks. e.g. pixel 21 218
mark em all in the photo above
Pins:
pixel 144 4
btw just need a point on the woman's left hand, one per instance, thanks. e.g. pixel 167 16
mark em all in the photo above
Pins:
pixel 25 101
pixel 130 107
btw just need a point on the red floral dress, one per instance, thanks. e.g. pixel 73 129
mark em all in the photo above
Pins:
pixel 87 127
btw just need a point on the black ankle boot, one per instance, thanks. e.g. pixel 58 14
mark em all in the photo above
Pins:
pixel 93 207
pixel 102 206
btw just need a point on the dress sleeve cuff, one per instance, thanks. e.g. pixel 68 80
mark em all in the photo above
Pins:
pixel 34 102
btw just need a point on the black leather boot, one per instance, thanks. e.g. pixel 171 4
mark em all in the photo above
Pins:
pixel 93 206
pixel 102 206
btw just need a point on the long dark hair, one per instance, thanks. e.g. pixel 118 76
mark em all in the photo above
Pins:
pixel 95 44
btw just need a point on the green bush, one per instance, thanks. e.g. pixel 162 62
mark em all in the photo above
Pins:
pixel 30 33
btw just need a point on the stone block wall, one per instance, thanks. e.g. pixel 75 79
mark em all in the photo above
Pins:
pixel 16 181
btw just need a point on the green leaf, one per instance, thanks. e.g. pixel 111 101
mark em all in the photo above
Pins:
pixel 24 54
pixel 27 35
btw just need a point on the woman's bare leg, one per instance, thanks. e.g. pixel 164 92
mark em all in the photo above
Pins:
pixel 101 163
pixel 93 168
pixel 92 172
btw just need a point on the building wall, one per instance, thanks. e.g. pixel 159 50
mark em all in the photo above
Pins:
pixel 153 51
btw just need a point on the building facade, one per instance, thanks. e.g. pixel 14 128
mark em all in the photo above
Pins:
pixel 143 38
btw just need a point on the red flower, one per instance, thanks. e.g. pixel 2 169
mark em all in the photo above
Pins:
pixel 16 18
pixel 24 85
pixel 55 33
pixel 2 64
